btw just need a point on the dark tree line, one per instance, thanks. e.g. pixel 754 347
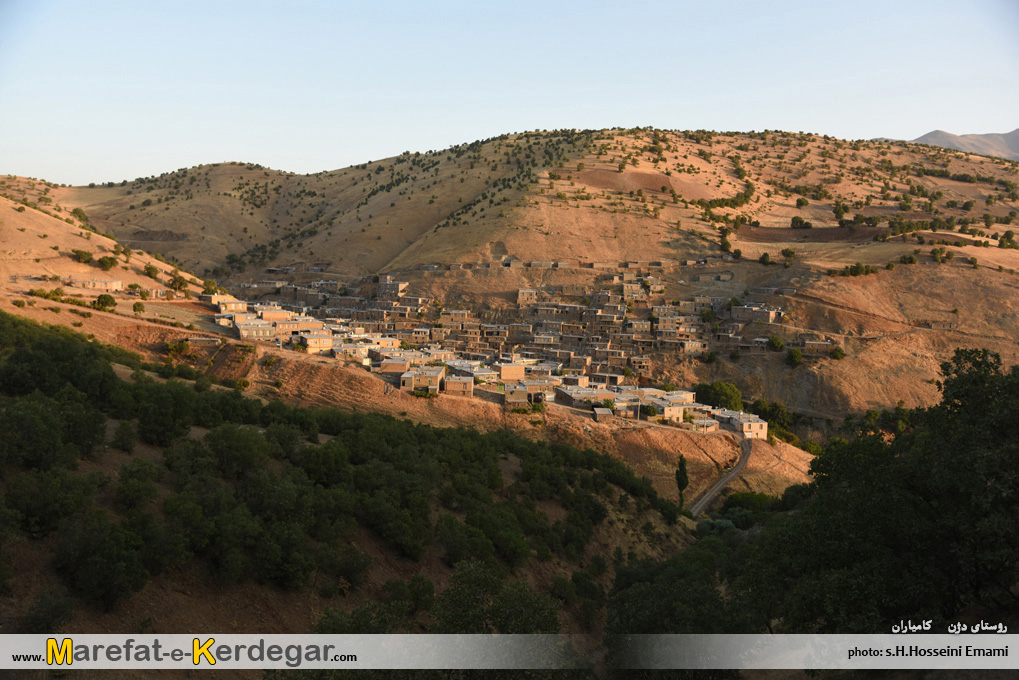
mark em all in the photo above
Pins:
pixel 914 516
pixel 261 497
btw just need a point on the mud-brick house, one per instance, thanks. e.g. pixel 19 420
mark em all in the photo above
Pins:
pixel 459 385
pixel 427 378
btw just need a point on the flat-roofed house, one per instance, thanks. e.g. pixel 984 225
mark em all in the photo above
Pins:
pixel 232 305
pixel 509 371
pixel 515 395
pixel 391 366
pixel 748 424
pixel 459 385
pixel 667 410
pixel 274 314
pixel 317 342
pixel 255 330
pixel 426 378
pixel 527 296
pixel 705 425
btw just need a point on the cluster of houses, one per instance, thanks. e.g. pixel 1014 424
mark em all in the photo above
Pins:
pixel 571 344
pixel 598 336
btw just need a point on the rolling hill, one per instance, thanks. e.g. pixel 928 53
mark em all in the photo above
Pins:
pixel 592 195
pixel 1000 145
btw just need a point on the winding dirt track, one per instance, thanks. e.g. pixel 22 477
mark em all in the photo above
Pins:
pixel 701 503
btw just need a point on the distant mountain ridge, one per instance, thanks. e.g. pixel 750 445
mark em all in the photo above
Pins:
pixel 998 145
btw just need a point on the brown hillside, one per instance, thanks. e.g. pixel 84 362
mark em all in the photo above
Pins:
pixel 607 196
pixel 651 450
pixel 403 211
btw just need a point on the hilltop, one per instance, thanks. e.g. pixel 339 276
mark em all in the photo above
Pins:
pixel 562 195
pixel 1000 145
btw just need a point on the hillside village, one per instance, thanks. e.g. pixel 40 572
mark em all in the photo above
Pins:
pixel 596 252
pixel 347 326
pixel 587 347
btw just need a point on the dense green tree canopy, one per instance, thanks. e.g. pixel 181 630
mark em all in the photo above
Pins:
pixel 913 516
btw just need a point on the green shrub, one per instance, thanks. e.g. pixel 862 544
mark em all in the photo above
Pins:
pixel 137 484
pixel 50 610
pixel 124 437
pixel 43 498
pixel 98 560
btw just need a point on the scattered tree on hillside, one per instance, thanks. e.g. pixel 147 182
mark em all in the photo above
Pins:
pixel 682 478
pixel 720 394
pixel 80 215
pixel 124 437
pixel 105 303
pixel 177 281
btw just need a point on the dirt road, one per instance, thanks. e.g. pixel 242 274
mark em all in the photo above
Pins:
pixel 701 503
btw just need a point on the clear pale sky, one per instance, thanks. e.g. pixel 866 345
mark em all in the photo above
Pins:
pixel 105 90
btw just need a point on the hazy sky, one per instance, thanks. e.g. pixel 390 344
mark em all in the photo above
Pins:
pixel 103 90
